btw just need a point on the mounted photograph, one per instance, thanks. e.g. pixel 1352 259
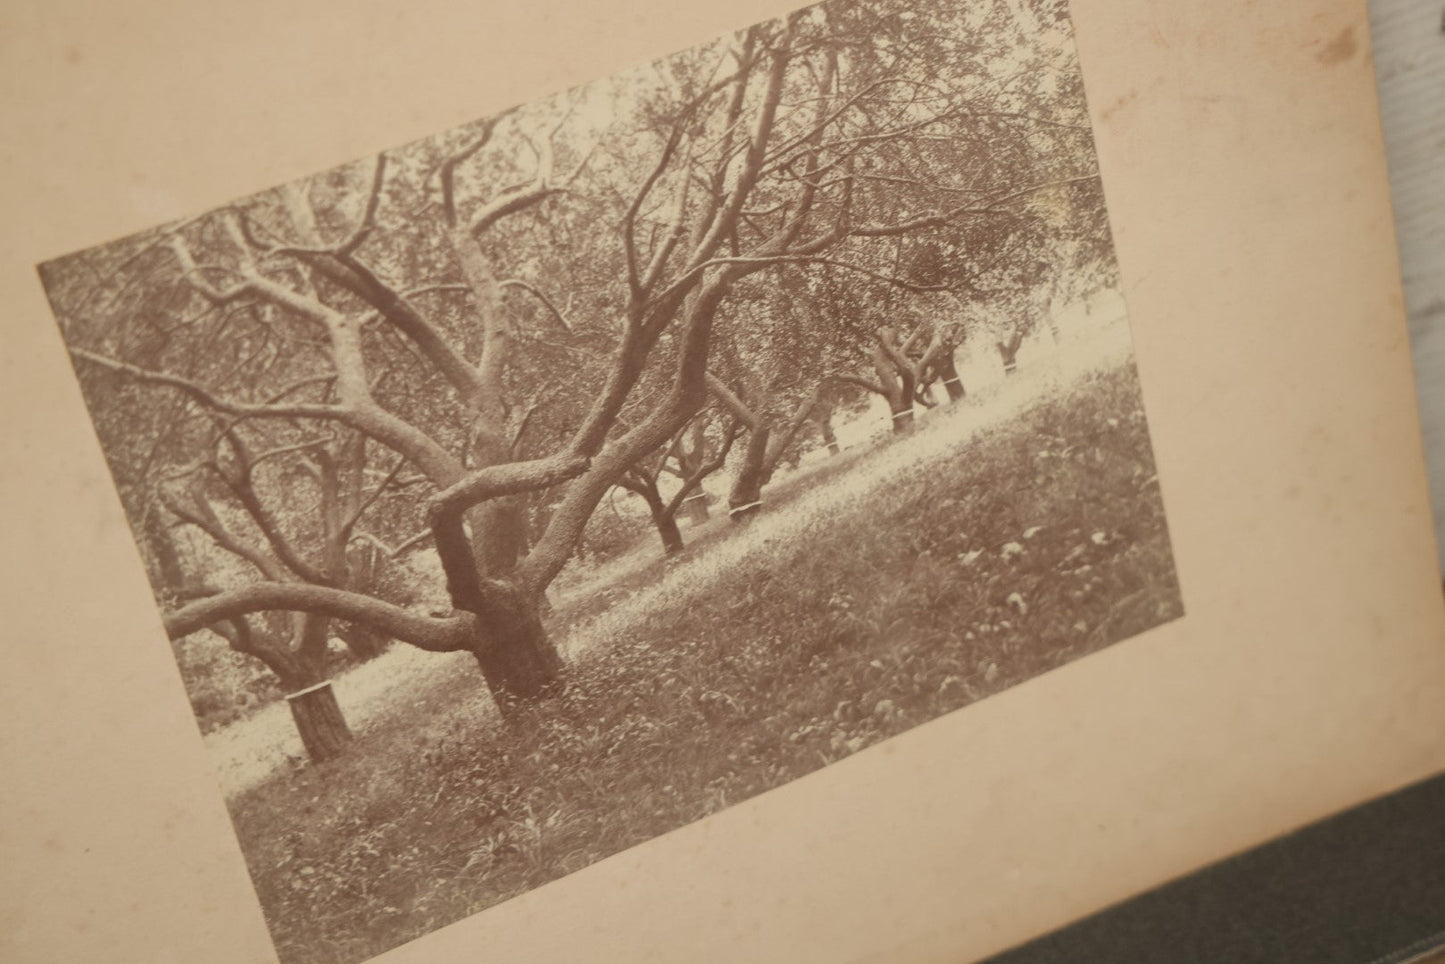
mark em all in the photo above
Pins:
pixel 520 494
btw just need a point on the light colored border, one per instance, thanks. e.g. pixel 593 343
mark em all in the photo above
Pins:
pixel 1242 161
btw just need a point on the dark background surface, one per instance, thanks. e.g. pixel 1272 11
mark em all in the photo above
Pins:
pixel 1364 887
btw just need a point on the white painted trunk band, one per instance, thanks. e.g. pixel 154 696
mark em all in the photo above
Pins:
pixel 310 689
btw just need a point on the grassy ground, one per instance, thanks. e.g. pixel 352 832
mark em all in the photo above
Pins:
pixel 1029 546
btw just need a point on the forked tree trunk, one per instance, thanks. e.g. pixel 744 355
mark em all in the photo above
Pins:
pixel 520 661
pixel 318 719
pixel 499 526
pixel 1008 351
pixel 665 522
pixel 896 381
pixel 502 527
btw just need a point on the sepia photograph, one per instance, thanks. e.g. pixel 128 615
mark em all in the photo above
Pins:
pixel 520 494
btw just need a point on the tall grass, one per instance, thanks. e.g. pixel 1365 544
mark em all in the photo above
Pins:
pixel 1030 545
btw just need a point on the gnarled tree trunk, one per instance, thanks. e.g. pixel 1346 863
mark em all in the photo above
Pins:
pixel 517 658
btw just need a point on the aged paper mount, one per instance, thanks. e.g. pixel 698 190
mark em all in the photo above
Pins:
pixel 1242 164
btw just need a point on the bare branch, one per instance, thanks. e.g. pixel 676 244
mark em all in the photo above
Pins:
pixel 368 213
pixel 210 400
pixel 520 198
pixel 366 503
pixel 937 219
pixel 449 167
pixel 524 286
pixel 242 486
pixel 398 312
pixel 394 552
pixel 729 399
pixel 201 515
pixel 192 275
pixel 862 383
pixel 438 635
pixel 629 220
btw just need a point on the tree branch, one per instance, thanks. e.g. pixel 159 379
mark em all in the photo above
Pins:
pixel 524 286
pixel 729 399
pixel 938 219
pixel 438 635
pixel 366 503
pixel 449 166
pixel 368 213
pixel 210 400
pixel 242 486
pixel 202 516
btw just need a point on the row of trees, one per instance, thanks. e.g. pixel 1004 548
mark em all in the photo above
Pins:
pixel 462 345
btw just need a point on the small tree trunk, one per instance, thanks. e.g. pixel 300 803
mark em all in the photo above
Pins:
pixel 948 373
pixel 902 409
pixel 825 428
pixel 1008 351
pixel 897 381
pixel 302 675
pixel 747 492
pixel 667 531
pixel 318 719
pixel 664 521
pixel 696 507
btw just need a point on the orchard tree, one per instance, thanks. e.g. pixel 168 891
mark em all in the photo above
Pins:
pixel 698 450
pixel 416 308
